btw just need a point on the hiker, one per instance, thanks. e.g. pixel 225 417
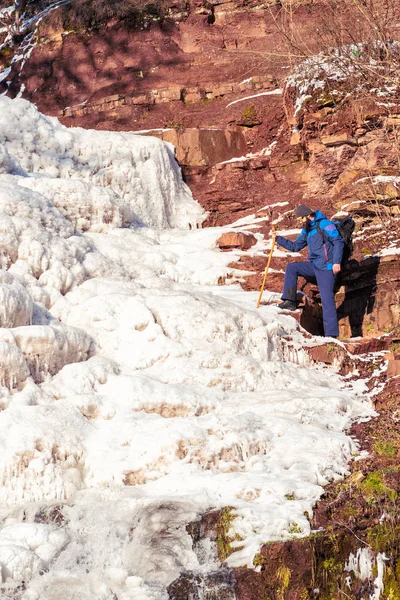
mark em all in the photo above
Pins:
pixel 325 246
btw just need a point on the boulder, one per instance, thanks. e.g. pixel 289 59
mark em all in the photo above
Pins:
pixel 338 139
pixel 367 345
pixel 295 137
pixel 243 241
pixel 367 304
pixel 393 368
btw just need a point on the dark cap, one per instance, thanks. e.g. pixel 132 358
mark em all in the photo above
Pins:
pixel 303 211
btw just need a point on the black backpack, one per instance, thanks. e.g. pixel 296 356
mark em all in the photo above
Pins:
pixel 345 227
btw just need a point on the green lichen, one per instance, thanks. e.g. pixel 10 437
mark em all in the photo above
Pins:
pixel 224 540
pixel 350 511
pixel 249 112
pixel 331 565
pixel 366 251
pixel 295 528
pixel 395 347
pixel 6 51
pixel 328 99
pixel 283 576
pixel 333 539
pixel 385 449
pixel 391 585
pixel 384 537
pixel 386 170
pixel 6 55
pixel 174 125
pixel 329 573
pixel 259 560
pixel 374 487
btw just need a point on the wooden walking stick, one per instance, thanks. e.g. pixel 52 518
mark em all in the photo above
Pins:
pixel 267 267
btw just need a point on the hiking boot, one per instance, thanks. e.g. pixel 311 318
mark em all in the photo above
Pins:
pixel 288 305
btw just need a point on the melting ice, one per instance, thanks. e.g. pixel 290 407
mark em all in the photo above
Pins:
pixel 135 392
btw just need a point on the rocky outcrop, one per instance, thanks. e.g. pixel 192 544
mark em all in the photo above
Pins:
pixel 184 59
pixel 203 147
pixel 200 70
pixel 186 95
pixel 212 69
pixel 367 302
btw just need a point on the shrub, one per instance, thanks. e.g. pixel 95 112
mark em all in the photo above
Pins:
pixel 90 14
pixel 352 53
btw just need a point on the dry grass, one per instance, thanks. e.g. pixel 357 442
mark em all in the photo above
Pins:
pixel 96 13
pixel 359 34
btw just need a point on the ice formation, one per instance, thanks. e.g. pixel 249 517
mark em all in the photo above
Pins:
pixel 140 170
pixel 136 393
pixel 363 564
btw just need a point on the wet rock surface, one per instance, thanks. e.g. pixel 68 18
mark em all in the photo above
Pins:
pixel 213 586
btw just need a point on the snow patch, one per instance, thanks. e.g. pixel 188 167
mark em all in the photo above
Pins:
pixel 277 92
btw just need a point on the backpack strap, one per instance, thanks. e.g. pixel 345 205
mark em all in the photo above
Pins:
pixel 320 231
pixel 322 234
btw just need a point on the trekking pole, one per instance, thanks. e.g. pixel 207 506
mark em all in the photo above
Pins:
pixel 267 267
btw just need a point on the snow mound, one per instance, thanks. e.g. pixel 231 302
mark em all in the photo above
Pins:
pixel 16 306
pixel 217 345
pixel 47 349
pixel 41 451
pixel 26 549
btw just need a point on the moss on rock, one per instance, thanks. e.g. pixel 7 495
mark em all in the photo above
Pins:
pixel 224 540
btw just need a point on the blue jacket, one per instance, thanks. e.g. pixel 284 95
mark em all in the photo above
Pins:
pixel 326 250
